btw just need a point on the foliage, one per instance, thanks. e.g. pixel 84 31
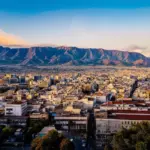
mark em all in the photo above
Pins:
pixel 35 127
pixel 140 146
pixel 52 141
pixel 4 89
pixel 7 131
pixel 66 144
pixel 107 147
pixel 28 136
pixel 41 123
pixel 86 89
pixel 36 142
pixel 2 126
pixel 137 137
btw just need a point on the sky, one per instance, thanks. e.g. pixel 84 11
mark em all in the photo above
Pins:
pixel 108 24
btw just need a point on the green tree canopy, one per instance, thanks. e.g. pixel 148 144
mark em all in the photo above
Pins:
pixel 36 143
pixel 140 146
pixel 52 141
pixel 66 144
pixel 137 137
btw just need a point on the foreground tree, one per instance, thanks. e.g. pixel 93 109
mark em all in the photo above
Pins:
pixel 137 137
pixel 66 144
pixel 52 141
pixel 107 147
pixel 36 143
pixel 7 131
pixel 140 146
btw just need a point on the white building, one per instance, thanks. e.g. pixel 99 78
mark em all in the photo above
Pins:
pixel 16 109
pixel 105 127
pixel 72 123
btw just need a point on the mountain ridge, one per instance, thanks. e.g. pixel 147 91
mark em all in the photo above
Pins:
pixel 71 56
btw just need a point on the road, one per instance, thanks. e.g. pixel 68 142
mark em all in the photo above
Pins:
pixel 91 128
pixel 134 87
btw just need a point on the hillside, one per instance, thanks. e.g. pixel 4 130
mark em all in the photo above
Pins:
pixel 70 56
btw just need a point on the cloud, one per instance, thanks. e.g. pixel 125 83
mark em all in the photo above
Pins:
pixel 140 49
pixel 7 39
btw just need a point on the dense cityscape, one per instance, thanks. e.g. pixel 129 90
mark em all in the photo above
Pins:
pixel 87 108
pixel 74 74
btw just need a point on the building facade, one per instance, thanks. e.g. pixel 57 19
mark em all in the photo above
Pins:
pixel 16 109
pixel 73 124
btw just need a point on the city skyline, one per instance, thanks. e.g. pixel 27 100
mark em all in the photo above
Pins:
pixel 109 25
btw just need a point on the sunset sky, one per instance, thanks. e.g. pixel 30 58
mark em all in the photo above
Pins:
pixel 109 24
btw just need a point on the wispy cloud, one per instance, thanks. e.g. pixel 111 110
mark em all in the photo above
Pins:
pixel 7 39
pixel 140 49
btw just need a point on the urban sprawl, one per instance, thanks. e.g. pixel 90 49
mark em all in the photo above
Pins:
pixel 86 106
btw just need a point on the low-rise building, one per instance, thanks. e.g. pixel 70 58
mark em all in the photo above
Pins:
pixel 38 116
pixel 16 109
pixel 71 123
pixel 14 121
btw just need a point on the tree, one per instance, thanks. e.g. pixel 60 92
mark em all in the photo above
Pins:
pixel 107 147
pixel 7 131
pixel 52 141
pixel 66 144
pixel 137 137
pixel 86 88
pixel 36 143
pixel 140 146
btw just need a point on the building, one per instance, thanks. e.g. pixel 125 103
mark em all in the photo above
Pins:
pixel 16 109
pixel 43 84
pixel 39 116
pixel 71 123
pixel 37 77
pixel 45 130
pixel 110 121
pixel 107 127
pixel 14 121
pixel 22 80
pixel 14 80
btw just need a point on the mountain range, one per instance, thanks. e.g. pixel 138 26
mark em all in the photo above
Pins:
pixel 71 56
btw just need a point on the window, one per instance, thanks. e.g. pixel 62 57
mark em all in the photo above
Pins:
pixel 9 113
pixel 9 109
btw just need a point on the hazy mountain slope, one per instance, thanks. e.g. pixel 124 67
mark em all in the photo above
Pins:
pixel 70 56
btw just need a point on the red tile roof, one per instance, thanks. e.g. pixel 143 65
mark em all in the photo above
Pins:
pixel 131 117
